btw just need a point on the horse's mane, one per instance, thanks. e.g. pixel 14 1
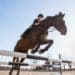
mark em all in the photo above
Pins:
pixel 50 17
pixel 47 20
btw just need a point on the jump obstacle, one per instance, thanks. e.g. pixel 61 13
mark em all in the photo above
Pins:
pixel 22 55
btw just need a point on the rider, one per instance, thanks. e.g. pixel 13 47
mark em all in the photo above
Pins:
pixel 38 19
pixel 35 22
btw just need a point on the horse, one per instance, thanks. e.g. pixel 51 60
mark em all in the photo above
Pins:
pixel 38 36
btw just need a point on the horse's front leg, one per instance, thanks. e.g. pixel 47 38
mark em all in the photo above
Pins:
pixel 49 42
pixel 35 49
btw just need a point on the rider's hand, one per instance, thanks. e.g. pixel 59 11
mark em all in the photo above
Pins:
pixel 36 23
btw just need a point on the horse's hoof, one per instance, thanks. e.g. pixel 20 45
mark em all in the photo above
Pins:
pixel 41 51
pixel 17 74
pixel 33 51
pixel 10 73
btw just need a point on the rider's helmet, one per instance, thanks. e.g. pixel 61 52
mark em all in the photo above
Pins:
pixel 41 15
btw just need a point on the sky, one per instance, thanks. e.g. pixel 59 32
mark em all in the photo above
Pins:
pixel 17 15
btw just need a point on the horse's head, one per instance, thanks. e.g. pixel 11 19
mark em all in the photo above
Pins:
pixel 59 23
pixel 56 21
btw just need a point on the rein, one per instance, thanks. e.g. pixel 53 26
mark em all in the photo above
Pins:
pixel 51 30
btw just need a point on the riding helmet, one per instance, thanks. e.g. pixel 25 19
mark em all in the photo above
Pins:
pixel 40 15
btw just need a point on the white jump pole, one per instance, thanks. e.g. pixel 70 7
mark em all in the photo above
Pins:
pixel 21 55
pixel 12 54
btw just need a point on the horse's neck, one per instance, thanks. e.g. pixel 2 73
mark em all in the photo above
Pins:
pixel 46 24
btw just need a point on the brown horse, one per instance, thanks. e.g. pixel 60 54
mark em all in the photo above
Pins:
pixel 37 37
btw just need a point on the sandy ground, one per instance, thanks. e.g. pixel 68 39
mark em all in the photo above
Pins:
pixel 6 72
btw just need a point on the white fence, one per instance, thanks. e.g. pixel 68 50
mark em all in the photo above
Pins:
pixel 6 57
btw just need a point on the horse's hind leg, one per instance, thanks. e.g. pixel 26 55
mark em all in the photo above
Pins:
pixel 18 70
pixel 10 73
pixel 49 42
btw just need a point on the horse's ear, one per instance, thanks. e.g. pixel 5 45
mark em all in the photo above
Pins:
pixel 61 15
